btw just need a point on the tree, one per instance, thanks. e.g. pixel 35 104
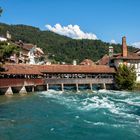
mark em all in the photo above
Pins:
pixel 6 50
pixel 0 11
pixel 125 77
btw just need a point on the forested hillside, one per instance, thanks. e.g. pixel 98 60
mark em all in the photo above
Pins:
pixel 57 47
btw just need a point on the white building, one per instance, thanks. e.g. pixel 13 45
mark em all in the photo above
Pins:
pixel 127 58
pixel 2 39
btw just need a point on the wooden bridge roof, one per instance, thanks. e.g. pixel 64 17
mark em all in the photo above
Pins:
pixel 78 69
pixel 21 69
pixel 40 69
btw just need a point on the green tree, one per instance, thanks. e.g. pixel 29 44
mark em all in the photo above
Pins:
pixel 6 50
pixel 0 11
pixel 125 77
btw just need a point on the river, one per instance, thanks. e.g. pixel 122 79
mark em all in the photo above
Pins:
pixel 52 115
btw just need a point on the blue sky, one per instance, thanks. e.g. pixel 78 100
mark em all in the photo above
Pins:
pixel 107 19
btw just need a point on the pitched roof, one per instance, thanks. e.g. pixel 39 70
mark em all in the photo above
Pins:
pixel 104 60
pixel 138 50
pixel 87 62
pixel 130 56
pixel 27 46
pixel 21 69
pixel 39 69
pixel 78 69
pixel 39 50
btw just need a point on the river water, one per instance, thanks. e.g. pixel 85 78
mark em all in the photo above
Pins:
pixel 52 115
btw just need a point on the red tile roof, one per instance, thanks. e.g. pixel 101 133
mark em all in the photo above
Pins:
pixel 78 69
pixel 39 69
pixel 104 60
pixel 130 56
pixel 27 46
pixel 21 69
pixel 87 62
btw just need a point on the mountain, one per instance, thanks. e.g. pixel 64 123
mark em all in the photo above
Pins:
pixel 57 47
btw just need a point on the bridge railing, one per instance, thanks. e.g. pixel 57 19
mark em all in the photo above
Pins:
pixel 20 82
pixel 79 81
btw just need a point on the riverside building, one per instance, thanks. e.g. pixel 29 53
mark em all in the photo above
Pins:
pixel 124 57
pixel 127 58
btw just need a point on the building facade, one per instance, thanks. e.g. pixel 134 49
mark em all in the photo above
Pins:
pixel 127 58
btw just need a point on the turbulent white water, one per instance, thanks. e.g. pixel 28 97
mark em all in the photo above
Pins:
pixel 120 104
pixel 69 115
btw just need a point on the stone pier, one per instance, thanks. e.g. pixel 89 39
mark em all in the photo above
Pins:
pixel 9 91
pixel 23 90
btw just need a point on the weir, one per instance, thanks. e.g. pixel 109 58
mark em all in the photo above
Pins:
pixel 45 87
pixel 44 84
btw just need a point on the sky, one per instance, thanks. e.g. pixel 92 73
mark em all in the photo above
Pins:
pixel 107 20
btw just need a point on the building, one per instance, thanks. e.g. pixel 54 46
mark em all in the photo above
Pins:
pixel 3 39
pixel 87 62
pixel 29 53
pixel 104 60
pixel 127 58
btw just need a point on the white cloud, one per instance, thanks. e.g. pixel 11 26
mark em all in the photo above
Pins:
pixel 72 31
pixel 136 44
pixel 113 41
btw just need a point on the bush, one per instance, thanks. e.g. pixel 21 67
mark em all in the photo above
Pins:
pixel 125 77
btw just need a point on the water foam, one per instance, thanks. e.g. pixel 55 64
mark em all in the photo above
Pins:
pixel 117 103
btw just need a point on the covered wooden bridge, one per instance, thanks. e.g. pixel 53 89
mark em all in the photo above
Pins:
pixel 31 77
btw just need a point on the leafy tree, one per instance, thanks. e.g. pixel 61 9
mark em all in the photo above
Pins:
pixel 6 50
pixel 0 11
pixel 125 77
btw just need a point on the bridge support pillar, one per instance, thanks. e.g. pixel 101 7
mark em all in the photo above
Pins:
pixel 47 87
pixel 77 87
pixel 90 86
pixel 104 85
pixel 62 87
pixel 9 91
pixel 33 88
pixel 23 90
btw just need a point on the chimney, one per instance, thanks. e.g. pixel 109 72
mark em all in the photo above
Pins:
pixel 124 47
